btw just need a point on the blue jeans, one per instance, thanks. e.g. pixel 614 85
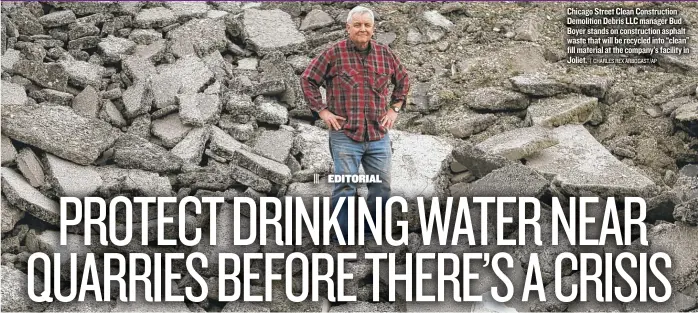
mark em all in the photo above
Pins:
pixel 375 156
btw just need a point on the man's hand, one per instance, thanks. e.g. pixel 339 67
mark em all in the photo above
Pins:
pixel 331 120
pixel 388 120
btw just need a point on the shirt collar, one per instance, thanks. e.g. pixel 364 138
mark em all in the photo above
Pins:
pixel 355 48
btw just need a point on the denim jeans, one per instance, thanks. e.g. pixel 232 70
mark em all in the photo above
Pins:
pixel 375 156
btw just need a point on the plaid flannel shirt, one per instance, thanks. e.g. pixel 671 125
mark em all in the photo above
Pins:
pixel 357 86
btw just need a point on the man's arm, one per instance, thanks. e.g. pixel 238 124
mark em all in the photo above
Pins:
pixel 313 77
pixel 401 81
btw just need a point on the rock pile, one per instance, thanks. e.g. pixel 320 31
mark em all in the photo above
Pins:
pixel 200 99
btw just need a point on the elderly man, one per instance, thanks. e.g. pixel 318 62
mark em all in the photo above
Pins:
pixel 360 108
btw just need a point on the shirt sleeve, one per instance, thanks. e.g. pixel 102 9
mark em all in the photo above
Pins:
pixel 400 79
pixel 313 77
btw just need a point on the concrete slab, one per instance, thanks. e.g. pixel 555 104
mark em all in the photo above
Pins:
pixel 580 165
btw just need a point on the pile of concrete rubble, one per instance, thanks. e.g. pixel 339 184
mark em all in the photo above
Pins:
pixel 203 99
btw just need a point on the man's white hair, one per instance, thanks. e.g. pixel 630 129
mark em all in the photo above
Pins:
pixel 359 10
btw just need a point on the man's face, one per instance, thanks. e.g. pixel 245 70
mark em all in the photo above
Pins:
pixel 360 29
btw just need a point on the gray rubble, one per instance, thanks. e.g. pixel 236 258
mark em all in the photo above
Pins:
pixel 14 291
pixel 518 143
pixel 30 167
pixel 266 168
pixel 537 85
pixel 13 94
pixel 418 161
pixel 49 75
pixel 87 103
pixel 25 197
pixel 170 130
pixel 492 99
pixel 9 153
pixel 191 148
pixel 274 145
pixel 178 99
pixel 135 152
pixel 581 165
pixel 574 109
pixel 70 179
pixel 10 216
pixel 267 30
pixel 58 130
pixel 199 109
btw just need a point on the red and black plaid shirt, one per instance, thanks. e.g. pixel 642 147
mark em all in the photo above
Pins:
pixel 357 86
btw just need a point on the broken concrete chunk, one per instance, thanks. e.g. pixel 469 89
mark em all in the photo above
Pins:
pixel 274 144
pixel 418 164
pixel 472 124
pixel 316 19
pixel 81 30
pixel 513 180
pixel 250 179
pixel 9 58
pixel 185 10
pixel 48 75
pixel 170 130
pixel 57 97
pixel 311 144
pixel 239 104
pixel 116 181
pixel 87 103
pixel 582 166
pixel 436 19
pixel 70 179
pixel 191 148
pixel 137 99
pixel 83 73
pixel 518 143
pixel 267 30
pixel 8 152
pixel 58 18
pixel 270 111
pixel 25 197
pixel 154 17
pixel 199 37
pixel 493 99
pixel 14 291
pixel 113 48
pixel 479 162
pixel 111 114
pixel 30 166
pixel 223 144
pixel 593 86
pixel 199 109
pixel 574 109
pixel 537 85
pixel 10 215
pixel 13 94
pixel 266 168
pixel 138 153
pixel 60 131
pixel 686 117
pixel 144 36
